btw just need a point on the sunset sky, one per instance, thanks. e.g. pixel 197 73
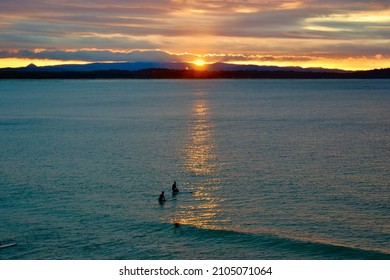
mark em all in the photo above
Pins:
pixel 353 35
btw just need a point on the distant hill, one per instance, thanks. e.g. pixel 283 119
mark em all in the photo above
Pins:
pixel 124 66
pixel 235 67
pixel 179 70
pixel 135 66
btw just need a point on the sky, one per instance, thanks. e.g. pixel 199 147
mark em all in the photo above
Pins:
pixel 345 34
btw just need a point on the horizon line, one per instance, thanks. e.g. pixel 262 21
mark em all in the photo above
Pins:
pixel 196 66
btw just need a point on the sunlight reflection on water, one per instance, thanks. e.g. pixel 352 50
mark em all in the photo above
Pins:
pixel 201 161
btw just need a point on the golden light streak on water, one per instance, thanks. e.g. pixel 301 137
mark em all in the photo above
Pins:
pixel 201 161
pixel 200 152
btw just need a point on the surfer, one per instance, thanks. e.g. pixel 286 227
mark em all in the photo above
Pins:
pixel 174 188
pixel 161 199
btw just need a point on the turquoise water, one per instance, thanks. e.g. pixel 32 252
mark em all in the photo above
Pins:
pixel 281 169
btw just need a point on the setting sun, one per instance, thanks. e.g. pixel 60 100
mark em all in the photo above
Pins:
pixel 199 62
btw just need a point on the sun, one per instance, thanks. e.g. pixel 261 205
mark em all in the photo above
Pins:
pixel 199 62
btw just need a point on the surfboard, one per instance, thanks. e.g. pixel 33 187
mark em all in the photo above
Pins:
pixel 182 192
pixel 8 245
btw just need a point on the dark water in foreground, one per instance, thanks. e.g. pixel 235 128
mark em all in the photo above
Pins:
pixel 281 169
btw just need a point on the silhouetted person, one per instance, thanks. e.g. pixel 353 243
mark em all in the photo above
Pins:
pixel 174 188
pixel 161 199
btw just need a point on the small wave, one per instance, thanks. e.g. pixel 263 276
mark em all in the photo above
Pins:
pixel 270 246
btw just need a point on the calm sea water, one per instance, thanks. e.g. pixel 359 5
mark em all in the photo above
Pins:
pixel 281 169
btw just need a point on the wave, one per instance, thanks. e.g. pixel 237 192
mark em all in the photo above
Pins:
pixel 269 246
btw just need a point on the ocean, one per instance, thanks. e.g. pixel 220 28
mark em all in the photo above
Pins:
pixel 278 169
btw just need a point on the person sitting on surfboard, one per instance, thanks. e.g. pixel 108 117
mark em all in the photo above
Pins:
pixel 161 199
pixel 174 188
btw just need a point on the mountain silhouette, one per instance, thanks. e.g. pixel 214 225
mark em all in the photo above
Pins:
pixel 182 70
